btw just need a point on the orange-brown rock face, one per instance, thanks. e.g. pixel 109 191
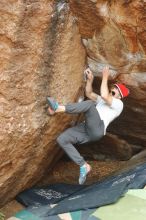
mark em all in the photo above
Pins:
pixel 41 54
pixel 114 33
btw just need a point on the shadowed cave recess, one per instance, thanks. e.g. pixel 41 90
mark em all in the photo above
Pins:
pixel 45 47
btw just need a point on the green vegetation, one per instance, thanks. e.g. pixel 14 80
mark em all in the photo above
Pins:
pixel 2 216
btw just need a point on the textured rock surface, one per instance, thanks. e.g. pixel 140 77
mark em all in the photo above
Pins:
pixel 110 147
pixel 67 171
pixel 114 33
pixel 41 54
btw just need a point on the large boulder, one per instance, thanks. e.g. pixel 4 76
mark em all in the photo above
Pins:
pixel 41 54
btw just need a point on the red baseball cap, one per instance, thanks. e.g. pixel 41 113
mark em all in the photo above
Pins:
pixel 124 91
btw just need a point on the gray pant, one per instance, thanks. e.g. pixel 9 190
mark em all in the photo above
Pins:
pixel 90 130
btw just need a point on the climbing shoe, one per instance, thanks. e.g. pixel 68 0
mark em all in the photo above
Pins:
pixel 52 103
pixel 84 170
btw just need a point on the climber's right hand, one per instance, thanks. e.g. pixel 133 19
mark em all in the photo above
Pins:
pixel 89 75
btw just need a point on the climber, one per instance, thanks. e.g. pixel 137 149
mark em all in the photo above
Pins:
pixel 99 111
